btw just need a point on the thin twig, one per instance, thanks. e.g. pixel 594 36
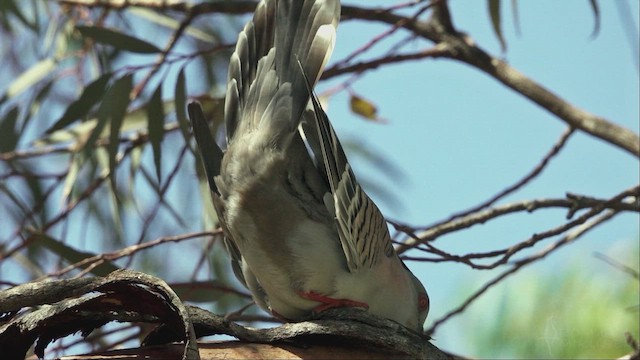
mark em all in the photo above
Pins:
pixel 385 34
pixel 163 56
pixel 72 205
pixel 101 258
pixel 158 205
pixel 555 150
pixel 519 265
pixel 480 217
pixel 439 29
pixel 435 52
pixel 458 46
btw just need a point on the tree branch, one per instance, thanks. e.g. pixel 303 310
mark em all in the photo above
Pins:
pixel 440 30
pixel 449 42
pixel 520 264
pixel 573 203
pixel 124 300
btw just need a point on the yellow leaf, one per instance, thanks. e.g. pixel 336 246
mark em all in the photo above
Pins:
pixel 363 107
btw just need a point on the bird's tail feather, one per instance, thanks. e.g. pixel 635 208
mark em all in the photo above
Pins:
pixel 266 88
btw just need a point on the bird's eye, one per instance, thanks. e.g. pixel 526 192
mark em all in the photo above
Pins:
pixel 423 302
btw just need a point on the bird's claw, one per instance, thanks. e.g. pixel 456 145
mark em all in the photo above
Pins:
pixel 327 303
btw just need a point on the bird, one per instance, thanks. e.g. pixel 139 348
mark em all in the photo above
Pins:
pixel 302 234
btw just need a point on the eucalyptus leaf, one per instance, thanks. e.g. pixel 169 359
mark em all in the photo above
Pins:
pixel 40 97
pixel 596 17
pixel 155 117
pixel 135 120
pixel 70 254
pixel 181 105
pixel 91 95
pixel 34 74
pixel 117 99
pixel 8 135
pixel 75 164
pixel 9 7
pixel 118 39
pixel 496 22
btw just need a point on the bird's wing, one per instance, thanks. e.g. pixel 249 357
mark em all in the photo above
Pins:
pixel 363 231
pixel 212 159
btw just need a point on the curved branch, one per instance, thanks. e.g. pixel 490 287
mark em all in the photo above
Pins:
pixel 129 296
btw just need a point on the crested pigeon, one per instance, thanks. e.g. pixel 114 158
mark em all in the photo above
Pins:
pixel 302 234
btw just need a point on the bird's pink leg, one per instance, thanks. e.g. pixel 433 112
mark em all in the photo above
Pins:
pixel 327 303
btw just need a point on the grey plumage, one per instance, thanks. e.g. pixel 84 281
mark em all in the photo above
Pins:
pixel 302 234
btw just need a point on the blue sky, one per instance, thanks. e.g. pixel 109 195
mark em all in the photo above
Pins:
pixel 459 137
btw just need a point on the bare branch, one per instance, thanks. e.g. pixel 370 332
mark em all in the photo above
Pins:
pixel 439 29
pixel 225 7
pixel 449 42
pixel 519 265
pixel 120 292
pixel 483 216
pixel 525 180
pixel 385 60
pixel 130 250
pixel 163 56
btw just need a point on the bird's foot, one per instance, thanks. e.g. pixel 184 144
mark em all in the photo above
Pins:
pixel 327 303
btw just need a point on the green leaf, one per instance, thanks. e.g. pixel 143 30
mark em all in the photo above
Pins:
pixel 79 133
pixel 596 17
pixel 135 120
pixel 40 97
pixel 75 163
pixel 38 196
pixel 496 22
pixel 35 73
pixel 116 208
pixel 8 136
pixel 90 96
pixel 18 208
pixel 9 7
pixel 135 160
pixel 70 254
pixel 155 118
pixel 118 40
pixel 181 105
pixel 117 98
